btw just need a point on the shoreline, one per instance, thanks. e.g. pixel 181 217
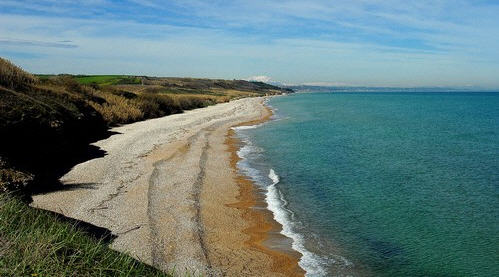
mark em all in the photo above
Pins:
pixel 252 202
pixel 168 190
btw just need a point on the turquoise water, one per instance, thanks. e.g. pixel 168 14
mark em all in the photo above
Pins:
pixel 383 184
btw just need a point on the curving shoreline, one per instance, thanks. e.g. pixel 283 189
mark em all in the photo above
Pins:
pixel 168 190
pixel 264 229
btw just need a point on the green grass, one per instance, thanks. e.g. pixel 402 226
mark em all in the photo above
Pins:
pixel 186 91
pixel 103 80
pixel 38 243
pixel 106 80
pixel 44 76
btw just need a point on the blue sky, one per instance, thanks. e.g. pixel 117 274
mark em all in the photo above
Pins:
pixel 344 42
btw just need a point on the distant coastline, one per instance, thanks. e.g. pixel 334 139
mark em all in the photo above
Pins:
pixel 332 89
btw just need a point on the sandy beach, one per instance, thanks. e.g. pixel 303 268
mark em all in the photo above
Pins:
pixel 169 190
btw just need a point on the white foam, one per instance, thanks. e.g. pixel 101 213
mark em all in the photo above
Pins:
pixel 313 264
pixel 244 127
pixel 274 177
pixel 244 151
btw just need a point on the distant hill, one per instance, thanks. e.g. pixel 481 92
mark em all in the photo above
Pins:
pixel 204 84
pixel 307 88
pixel 176 84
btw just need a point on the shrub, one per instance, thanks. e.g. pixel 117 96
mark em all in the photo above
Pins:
pixel 67 82
pixel 154 105
pixel 186 102
pixel 117 110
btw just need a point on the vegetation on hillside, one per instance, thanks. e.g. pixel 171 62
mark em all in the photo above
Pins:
pixel 47 121
pixel 13 77
pixel 107 79
pixel 39 243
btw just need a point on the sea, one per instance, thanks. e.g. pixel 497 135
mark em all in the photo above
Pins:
pixel 382 183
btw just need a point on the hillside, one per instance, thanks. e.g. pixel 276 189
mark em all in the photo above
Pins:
pixel 48 121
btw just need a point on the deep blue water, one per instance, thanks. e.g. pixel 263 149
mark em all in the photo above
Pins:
pixel 383 184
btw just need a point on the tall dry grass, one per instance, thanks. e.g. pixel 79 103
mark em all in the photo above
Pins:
pixel 117 109
pixel 188 102
pixel 65 94
pixel 13 77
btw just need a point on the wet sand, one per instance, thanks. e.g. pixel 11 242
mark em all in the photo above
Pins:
pixel 263 229
pixel 169 190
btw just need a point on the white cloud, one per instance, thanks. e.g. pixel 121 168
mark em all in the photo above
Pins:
pixel 23 42
pixel 261 78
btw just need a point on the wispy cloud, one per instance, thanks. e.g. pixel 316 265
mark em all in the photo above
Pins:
pixel 394 42
pixel 147 3
pixel 23 42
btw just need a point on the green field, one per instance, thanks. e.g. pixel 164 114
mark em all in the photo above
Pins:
pixel 103 80
pixel 106 80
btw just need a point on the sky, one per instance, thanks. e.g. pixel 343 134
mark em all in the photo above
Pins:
pixel 319 42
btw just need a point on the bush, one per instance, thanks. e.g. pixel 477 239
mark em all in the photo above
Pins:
pixel 68 82
pixel 118 110
pixel 154 105
pixel 192 102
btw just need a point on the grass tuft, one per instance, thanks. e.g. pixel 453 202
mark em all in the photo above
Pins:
pixel 37 243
